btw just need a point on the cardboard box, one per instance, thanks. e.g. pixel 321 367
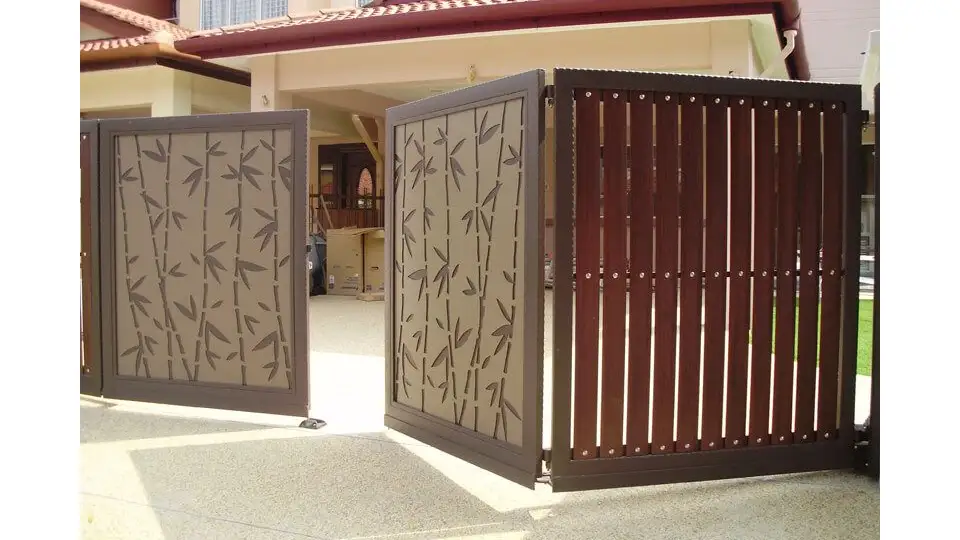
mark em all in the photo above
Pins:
pixel 353 263
pixel 373 261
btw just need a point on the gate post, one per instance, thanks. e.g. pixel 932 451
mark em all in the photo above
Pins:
pixel 874 463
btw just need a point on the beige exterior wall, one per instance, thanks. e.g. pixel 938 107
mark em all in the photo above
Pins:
pixel 163 91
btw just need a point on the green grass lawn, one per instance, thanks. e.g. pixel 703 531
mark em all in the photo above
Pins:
pixel 864 336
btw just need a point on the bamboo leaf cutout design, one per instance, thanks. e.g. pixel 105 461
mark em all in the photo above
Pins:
pixel 193 179
pixel 514 158
pixel 511 408
pixel 246 266
pixel 215 151
pixel 192 161
pixel 492 194
pixel 232 175
pixel 442 357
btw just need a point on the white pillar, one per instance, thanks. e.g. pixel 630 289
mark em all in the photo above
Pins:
pixel 173 94
pixel 731 48
pixel 264 95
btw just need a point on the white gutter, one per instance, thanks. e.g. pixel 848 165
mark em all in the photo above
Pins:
pixel 870 72
pixel 791 37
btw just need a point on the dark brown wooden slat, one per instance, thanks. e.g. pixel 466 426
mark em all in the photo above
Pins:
pixel 741 158
pixel 787 194
pixel 832 256
pixel 691 265
pixel 764 158
pixel 715 264
pixel 587 301
pixel 614 272
pixel 666 201
pixel 641 269
pixel 810 202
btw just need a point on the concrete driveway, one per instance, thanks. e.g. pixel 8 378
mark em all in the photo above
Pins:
pixel 161 472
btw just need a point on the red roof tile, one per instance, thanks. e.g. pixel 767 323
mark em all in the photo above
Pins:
pixel 149 24
pixel 155 30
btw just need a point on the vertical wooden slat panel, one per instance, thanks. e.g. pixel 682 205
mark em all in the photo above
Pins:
pixel 832 252
pixel 715 265
pixel 667 201
pixel 763 267
pixel 740 247
pixel 614 272
pixel 786 271
pixel 810 202
pixel 641 269
pixel 691 265
pixel 587 238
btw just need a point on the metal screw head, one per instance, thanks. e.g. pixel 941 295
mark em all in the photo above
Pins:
pixel 741 102
pixel 832 272
pixel 804 437
pixel 809 272
pixel 716 274
pixel 789 105
pixel 588 94
pixel 759 439
pixel 610 451
pixel 642 274
pixel 686 446
pixel 693 99
pixel 637 449
pixel 787 272
pixel 663 447
pixel 585 453
pixel 716 100
pixel 692 274
pixel 782 438
pixel 810 106
pixel 587 275
pixel 764 273
pixel 643 96
pixel 666 98
pixel 765 102
pixel 834 106
pixel 711 445
pixel 736 442
pixel 826 435
pixel 740 273
pixel 667 274
pixel 615 95
pixel 616 275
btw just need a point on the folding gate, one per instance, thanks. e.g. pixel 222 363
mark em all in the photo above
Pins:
pixel 689 210
pixel 194 284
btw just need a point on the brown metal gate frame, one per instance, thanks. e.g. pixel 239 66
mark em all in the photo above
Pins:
pixel 292 400
pixel 473 428
pixel 584 464
pixel 91 370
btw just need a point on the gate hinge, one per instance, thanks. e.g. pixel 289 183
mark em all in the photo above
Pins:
pixel 549 93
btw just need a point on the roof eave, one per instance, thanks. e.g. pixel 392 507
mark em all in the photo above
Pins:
pixel 490 18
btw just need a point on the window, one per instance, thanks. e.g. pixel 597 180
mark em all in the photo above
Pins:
pixel 217 13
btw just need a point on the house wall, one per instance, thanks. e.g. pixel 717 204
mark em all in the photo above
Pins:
pixel 161 90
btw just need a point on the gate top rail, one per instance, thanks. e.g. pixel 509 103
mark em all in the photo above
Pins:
pixel 654 81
